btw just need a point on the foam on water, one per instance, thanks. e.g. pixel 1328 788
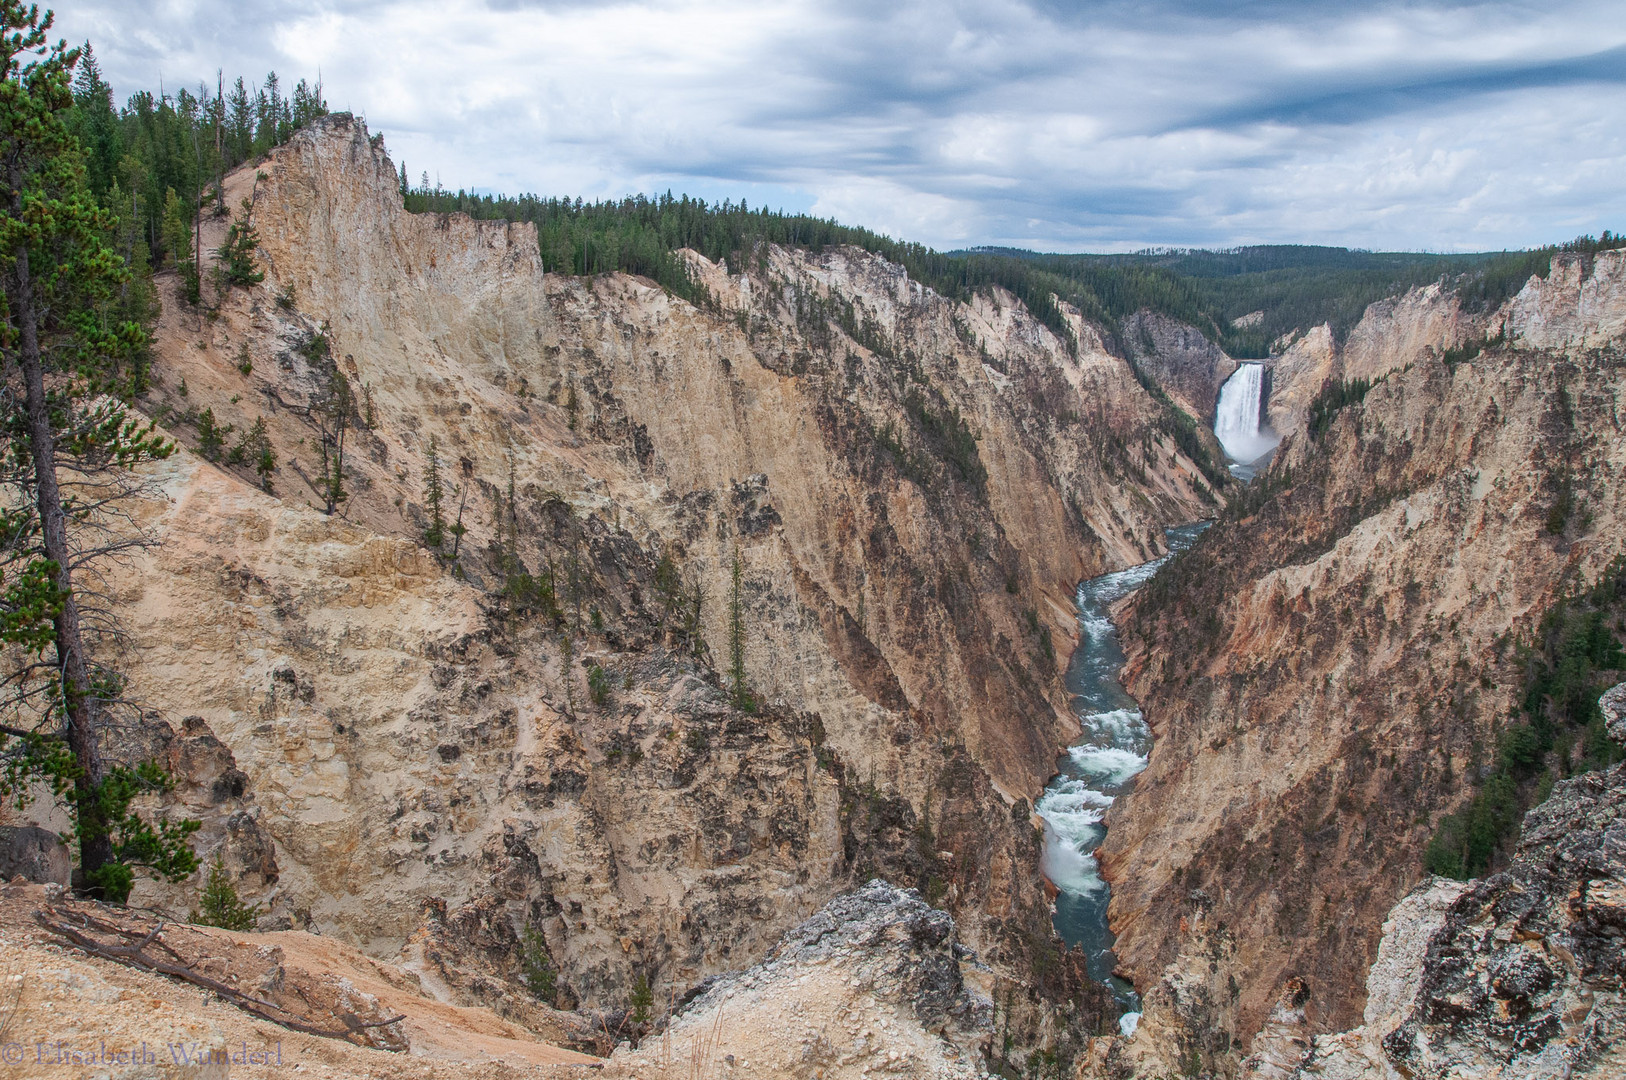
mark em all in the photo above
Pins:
pixel 1115 727
pixel 1112 749
pixel 1108 766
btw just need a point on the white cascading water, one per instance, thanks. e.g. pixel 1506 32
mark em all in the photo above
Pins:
pixel 1113 747
pixel 1237 417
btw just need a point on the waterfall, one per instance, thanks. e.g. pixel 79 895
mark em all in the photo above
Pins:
pixel 1237 417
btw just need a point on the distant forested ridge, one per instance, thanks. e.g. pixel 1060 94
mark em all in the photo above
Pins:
pixel 1293 287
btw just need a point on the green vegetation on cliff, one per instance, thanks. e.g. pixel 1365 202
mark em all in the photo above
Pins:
pixel 1290 287
pixel 1575 655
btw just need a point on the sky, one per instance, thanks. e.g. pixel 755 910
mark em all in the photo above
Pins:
pixel 1044 124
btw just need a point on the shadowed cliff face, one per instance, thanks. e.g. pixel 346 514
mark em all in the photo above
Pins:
pixel 1518 974
pixel 912 488
pixel 1326 671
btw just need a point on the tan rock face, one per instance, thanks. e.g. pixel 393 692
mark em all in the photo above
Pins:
pixel 1581 303
pixel 1322 676
pixel 909 519
pixel 1391 334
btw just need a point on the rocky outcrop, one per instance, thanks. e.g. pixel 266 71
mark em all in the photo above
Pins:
pixel 1188 366
pixel 1613 707
pixel 1580 303
pixel 1519 974
pixel 871 983
pixel 1323 671
pixel 1391 334
pixel 33 854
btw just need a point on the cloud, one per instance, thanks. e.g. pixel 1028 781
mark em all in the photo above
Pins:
pixel 1050 124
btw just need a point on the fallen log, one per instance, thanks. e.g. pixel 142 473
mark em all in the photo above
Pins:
pixel 136 957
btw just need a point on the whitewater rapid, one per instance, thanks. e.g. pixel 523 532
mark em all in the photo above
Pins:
pixel 1112 749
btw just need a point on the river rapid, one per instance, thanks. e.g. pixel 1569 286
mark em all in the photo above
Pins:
pixel 1111 751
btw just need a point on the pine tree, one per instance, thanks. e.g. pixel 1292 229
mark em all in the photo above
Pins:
pixel 537 966
pixel 237 253
pixel 177 229
pixel 567 672
pixel 240 122
pixel 211 436
pixel 434 494
pixel 333 412
pixel 743 699
pixel 643 999
pixel 458 529
pixel 254 448
pixel 218 904
pixel 73 360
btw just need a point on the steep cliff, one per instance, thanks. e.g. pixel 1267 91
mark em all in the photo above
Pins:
pixel 1516 975
pixel 431 752
pixel 1327 671
pixel 1391 334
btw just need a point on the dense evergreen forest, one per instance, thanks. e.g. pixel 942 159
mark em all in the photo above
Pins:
pixel 1292 287
pixel 157 163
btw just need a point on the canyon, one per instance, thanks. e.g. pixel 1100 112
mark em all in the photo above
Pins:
pixel 877 503
pixel 431 756
pixel 1327 672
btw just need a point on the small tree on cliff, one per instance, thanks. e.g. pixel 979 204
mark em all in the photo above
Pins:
pixel 332 411
pixel 434 494
pixel 219 904
pixel 67 444
pixel 741 692
pixel 237 253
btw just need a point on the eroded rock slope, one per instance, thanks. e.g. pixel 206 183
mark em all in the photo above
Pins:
pixel 430 752
pixel 1325 671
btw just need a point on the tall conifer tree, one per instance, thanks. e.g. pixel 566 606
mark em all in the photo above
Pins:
pixel 66 439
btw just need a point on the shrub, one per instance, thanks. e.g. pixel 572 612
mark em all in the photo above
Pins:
pixel 598 685
pixel 536 965
pixel 218 904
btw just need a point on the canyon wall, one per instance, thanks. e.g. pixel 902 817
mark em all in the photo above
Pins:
pixel 1326 672
pixel 1518 974
pixel 426 753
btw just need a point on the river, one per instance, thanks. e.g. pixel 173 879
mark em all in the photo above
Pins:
pixel 1101 766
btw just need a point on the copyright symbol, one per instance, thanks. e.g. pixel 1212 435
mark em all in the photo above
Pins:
pixel 11 1053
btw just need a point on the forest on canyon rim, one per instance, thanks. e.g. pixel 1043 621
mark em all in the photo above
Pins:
pixel 599 590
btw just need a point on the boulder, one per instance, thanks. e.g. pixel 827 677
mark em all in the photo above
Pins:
pixel 33 853
pixel 1613 704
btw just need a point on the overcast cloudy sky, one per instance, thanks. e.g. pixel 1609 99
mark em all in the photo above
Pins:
pixel 1038 123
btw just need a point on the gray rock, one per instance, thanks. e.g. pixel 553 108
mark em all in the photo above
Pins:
pixel 35 853
pixel 1524 977
pixel 1613 704
pixel 888 939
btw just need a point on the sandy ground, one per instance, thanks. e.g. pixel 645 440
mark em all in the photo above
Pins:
pixel 63 1013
